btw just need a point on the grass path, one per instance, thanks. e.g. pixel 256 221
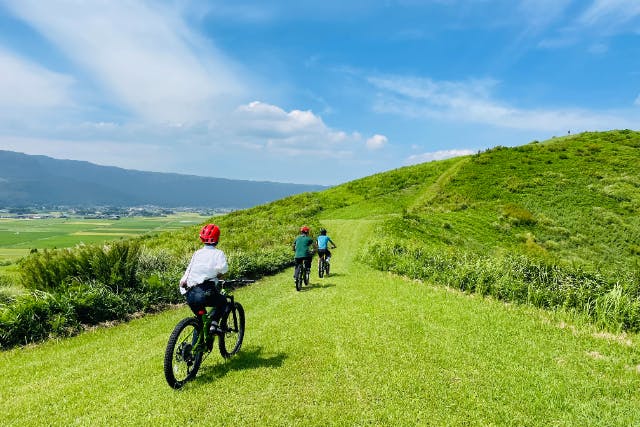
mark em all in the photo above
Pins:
pixel 361 347
pixel 434 189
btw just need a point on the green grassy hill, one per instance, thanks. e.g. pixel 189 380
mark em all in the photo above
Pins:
pixel 360 347
pixel 552 227
pixel 552 224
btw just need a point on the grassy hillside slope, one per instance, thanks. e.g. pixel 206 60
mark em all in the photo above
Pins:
pixel 573 200
pixel 361 347
pixel 552 224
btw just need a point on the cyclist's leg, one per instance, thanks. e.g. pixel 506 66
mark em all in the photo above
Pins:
pixel 196 299
pixel 217 300
pixel 307 263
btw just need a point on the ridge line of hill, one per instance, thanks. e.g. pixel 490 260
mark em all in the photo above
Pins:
pixel 30 180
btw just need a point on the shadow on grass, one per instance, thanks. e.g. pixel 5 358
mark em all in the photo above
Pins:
pixel 252 358
pixel 334 275
pixel 313 286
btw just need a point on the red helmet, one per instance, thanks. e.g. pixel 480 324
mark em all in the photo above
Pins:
pixel 304 229
pixel 210 233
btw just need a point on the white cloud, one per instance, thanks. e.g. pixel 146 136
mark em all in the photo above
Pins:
pixel 140 53
pixel 539 14
pixel 436 155
pixel 594 21
pixel 27 85
pixel 376 142
pixel 610 13
pixel 472 102
pixel 292 133
pixel 273 120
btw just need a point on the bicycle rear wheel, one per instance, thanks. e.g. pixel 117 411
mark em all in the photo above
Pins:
pixel 320 267
pixel 181 357
pixel 327 266
pixel 299 273
pixel 232 324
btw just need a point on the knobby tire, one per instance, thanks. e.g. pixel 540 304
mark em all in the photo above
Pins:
pixel 181 363
pixel 232 323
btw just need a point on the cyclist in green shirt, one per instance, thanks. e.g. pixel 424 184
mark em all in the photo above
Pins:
pixel 303 247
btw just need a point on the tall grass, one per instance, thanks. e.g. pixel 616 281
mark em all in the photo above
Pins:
pixel 612 305
pixel 87 285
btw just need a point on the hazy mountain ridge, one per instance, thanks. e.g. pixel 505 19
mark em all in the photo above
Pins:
pixel 32 180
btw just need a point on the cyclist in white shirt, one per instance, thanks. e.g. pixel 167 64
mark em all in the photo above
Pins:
pixel 199 281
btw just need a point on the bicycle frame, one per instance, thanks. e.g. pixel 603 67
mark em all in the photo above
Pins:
pixel 205 340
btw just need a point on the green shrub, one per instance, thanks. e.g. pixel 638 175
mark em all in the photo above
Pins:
pixel 94 303
pixel 157 291
pixel 115 265
pixel 516 278
pixel 518 215
pixel 34 317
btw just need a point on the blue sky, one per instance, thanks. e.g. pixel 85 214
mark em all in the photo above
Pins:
pixel 302 91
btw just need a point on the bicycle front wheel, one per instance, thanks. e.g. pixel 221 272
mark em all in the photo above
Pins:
pixel 182 358
pixel 232 325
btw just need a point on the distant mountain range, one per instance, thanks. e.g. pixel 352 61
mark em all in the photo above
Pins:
pixel 27 180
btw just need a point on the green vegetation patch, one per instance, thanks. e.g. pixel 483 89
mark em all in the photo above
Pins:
pixel 552 224
pixel 361 347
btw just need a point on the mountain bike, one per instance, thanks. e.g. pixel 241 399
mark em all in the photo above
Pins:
pixel 191 340
pixel 323 265
pixel 301 276
pixel 323 262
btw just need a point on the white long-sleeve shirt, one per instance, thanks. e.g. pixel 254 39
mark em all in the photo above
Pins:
pixel 206 263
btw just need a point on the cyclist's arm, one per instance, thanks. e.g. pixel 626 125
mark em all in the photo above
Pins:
pixel 331 241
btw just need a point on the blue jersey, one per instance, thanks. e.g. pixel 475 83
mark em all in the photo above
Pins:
pixel 323 241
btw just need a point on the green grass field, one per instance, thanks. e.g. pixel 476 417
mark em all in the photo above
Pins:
pixel 19 236
pixel 361 347
pixel 430 316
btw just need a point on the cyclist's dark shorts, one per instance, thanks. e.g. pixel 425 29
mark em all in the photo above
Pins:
pixel 205 295
pixel 306 260
pixel 324 252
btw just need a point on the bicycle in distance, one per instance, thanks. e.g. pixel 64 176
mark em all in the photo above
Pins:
pixel 191 340
pixel 301 275
pixel 323 242
pixel 324 265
